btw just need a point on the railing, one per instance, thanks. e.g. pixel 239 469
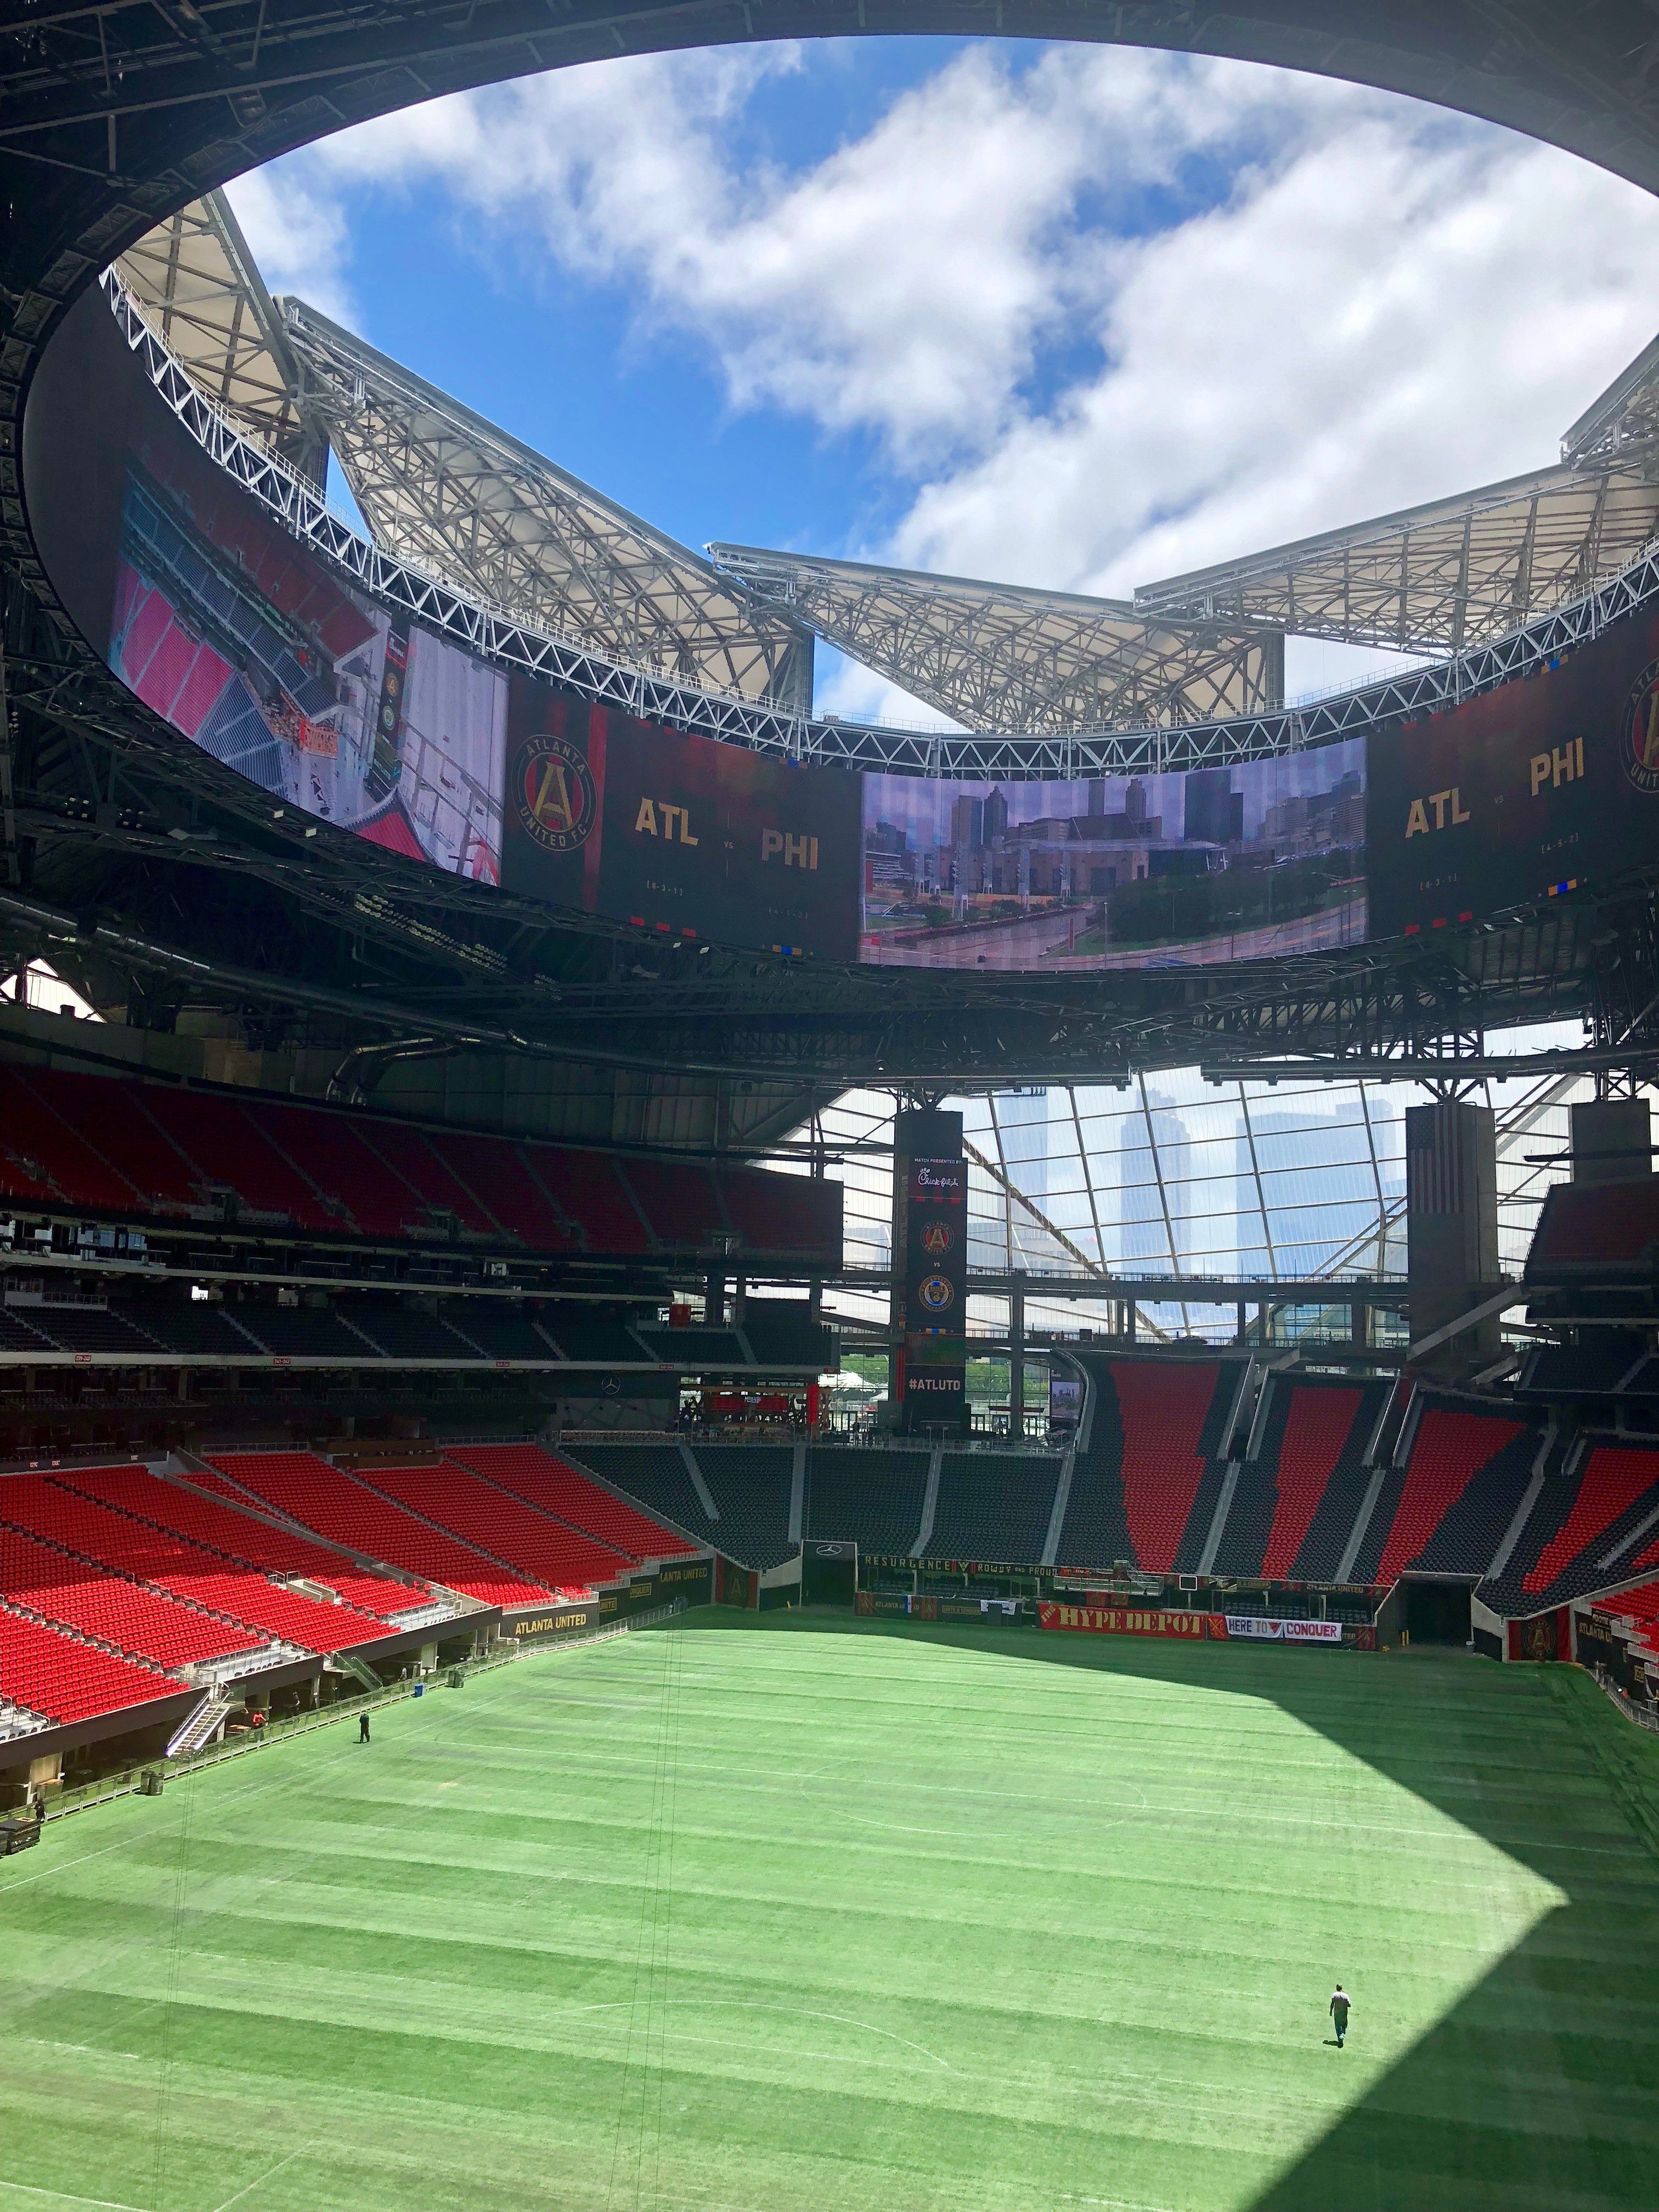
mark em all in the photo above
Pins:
pixel 1644 1715
pixel 495 635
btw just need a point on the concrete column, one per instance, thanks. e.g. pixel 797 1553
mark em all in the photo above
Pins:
pixel 714 1298
pixel 1611 1141
pixel 1451 1225
pixel 1017 1355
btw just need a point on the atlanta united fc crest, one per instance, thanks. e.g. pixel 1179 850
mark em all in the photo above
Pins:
pixel 1638 731
pixel 553 794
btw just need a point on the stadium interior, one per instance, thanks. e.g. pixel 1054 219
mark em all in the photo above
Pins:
pixel 1043 1247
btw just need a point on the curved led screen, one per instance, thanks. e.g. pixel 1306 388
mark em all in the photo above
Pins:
pixel 256 650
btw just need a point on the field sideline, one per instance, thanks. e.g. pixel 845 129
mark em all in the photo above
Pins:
pixel 793 1913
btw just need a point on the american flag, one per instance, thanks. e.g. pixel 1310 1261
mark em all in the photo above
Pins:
pixel 1434 1160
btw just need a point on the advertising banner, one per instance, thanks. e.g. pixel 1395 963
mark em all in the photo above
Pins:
pixel 1124 1620
pixel 1282 1631
pixel 674 833
pixel 257 650
pixel 930 1188
pixel 1522 794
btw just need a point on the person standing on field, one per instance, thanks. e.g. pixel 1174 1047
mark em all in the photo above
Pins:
pixel 1340 2014
pixel 363 1728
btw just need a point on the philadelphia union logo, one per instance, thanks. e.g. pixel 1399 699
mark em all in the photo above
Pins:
pixel 935 1294
pixel 1638 733
pixel 553 794
pixel 937 1238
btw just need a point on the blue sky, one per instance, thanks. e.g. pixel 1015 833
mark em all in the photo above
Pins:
pixel 1079 317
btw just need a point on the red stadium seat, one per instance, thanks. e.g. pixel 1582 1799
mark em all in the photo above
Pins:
pixel 555 1486
pixel 322 1498
pixel 65 1682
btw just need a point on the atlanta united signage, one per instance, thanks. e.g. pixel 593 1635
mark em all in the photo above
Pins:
pixel 931 1189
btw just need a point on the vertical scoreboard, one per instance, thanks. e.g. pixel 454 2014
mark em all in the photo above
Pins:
pixel 930 1243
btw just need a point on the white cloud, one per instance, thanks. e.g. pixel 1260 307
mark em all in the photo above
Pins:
pixel 1375 323
pixel 299 234
pixel 1085 363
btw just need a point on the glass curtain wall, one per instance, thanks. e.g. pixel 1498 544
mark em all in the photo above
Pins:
pixel 1172 1176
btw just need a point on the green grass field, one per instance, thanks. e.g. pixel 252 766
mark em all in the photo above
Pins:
pixel 793 1914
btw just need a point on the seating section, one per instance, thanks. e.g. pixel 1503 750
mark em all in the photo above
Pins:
pixel 656 1474
pixel 1597 1365
pixel 1162 1406
pixel 589 1190
pixel 1637 1611
pixel 1448 1509
pixel 135 1168
pixel 775 1212
pixel 1597 1230
pixel 245 1541
pixel 303 1333
pixel 994 1506
pixel 223 1141
pixel 199 1331
pixel 405 1333
pixel 46 1507
pixel 1294 1506
pixel 698 1348
pixel 89 1329
pixel 116 1145
pixel 322 1498
pixel 553 1485
pixel 491 1168
pixel 1095 1532
pixel 37 1146
pixel 681 1200
pixel 501 1525
pixel 871 1498
pixel 590 1332
pixel 782 1333
pixel 750 1484
pixel 78 1595
pixel 66 1681
pixel 503 1332
pixel 1594 1524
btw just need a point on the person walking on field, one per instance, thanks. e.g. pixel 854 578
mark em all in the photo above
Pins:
pixel 363 1728
pixel 1338 2000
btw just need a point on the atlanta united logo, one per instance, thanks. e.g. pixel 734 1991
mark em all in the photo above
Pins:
pixel 937 1238
pixel 935 1293
pixel 553 794
pixel 1638 733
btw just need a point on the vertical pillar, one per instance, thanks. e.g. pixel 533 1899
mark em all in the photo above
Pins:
pixel 1611 1140
pixel 1238 1331
pixel 1133 1312
pixel 714 1298
pixel 929 1270
pixel 1017 1355
pixel 1451 1225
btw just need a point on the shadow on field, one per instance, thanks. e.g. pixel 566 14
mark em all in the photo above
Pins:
pixel 1568 2022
